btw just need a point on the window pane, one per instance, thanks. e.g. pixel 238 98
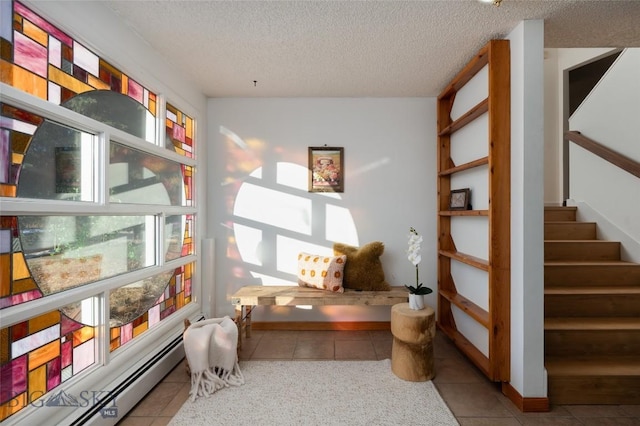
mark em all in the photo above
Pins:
pixel 58 164
pixel 129 302
pixel 116 110
pixel 136 177
pixel 63 252
pixel 178 239
pixel 175 294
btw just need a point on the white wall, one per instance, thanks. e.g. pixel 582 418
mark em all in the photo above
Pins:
pixel 260 147
pixel 557 64
pixel 619 223
pixel 552 135
pixel 609 115
pixel 528 375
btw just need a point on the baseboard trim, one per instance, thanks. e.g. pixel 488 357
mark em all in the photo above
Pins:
pixel 526 405
pixel 321 326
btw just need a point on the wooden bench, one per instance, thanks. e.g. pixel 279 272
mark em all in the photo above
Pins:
pixel 247 297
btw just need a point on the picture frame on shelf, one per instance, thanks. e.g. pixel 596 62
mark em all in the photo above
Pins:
pixel 460 199
pixel 326 169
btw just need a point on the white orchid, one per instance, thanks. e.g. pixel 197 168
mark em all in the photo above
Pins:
pixel 413 254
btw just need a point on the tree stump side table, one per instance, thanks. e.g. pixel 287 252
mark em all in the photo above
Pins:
pixel 412 351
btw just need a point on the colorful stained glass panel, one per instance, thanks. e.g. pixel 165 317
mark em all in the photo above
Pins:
pixel 85 59
pixel 34 360
pixel 36 43
pixel 38 354
pixel 30 55
pixel 179 131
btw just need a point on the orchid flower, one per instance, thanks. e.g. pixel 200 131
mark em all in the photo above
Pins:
pixel 413 254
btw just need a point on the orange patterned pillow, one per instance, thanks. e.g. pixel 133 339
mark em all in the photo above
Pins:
pixel 323 272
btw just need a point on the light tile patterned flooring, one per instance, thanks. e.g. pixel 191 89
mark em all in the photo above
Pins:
pixel 473 399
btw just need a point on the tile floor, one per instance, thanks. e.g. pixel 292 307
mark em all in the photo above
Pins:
pixel 471 397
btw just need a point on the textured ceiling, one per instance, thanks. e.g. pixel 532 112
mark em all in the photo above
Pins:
pixel 355 48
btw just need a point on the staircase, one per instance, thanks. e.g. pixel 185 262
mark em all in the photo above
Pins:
pixel 592 315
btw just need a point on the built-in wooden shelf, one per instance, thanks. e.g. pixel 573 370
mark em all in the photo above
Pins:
pixel 464 213
pixel 466 258
pixel 495 56
pixel 466 305
pixel 466 166
pixel 466 118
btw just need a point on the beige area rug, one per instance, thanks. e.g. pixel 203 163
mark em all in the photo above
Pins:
pixel 319 393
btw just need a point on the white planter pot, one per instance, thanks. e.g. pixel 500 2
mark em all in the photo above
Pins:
pixel 416 301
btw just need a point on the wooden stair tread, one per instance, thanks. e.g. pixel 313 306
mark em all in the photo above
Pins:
pixel 600 366
pixel 596 290
pixel 592 323
pixel 589 263
pixel 582 241
pixel 570 223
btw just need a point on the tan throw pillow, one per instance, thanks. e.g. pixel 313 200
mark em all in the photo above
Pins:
pixel 363 270
pixel 323 272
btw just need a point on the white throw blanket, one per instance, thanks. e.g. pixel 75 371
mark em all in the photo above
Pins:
pixel 211 350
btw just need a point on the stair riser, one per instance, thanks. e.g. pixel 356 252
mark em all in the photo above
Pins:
pixel 587 275
pixel 570 231
pixel 559 215
pixel 578 343
pixel 599 305
pixel 589 366
pixel 616 390
pixel 581 250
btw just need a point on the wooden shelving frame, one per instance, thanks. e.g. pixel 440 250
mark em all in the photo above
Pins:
pixel 496 366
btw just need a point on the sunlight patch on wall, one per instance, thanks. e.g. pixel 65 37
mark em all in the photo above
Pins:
pixel 274 208
pixel 275 218
pixel 339 225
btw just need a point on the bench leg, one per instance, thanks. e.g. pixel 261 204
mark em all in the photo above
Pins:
pixel 248 321
pixel 239 324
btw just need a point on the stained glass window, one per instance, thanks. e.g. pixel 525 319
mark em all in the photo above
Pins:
pixel 39 354
pixel 44 61
pixel 16 130
pixel 83 244
pixel 179 135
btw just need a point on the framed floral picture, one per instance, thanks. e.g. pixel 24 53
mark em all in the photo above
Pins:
pixel 326 169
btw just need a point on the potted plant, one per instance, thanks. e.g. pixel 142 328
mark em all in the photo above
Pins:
pixel 417 292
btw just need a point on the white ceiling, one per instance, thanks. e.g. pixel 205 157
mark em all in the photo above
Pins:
pixel 355 48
